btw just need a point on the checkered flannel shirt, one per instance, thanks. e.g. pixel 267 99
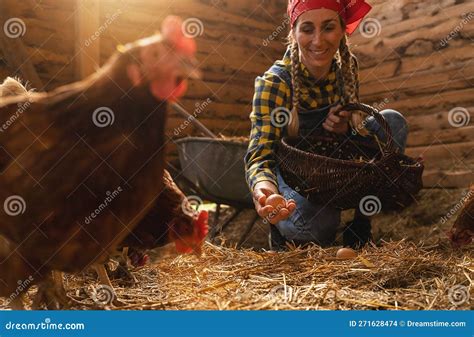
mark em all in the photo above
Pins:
pixel 272 92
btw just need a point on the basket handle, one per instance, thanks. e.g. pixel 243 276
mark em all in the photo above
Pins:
pixel 371 111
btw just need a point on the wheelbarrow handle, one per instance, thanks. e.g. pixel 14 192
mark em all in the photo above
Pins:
pixel 182 111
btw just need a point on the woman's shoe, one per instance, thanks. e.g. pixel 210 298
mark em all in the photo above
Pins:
pixel 276 241
pixel 357 233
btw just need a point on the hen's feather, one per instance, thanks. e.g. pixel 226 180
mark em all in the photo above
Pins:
pixel 81 186
pixel 463 228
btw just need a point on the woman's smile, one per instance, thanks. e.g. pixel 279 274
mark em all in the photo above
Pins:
pixel 318 53
pixel 318 33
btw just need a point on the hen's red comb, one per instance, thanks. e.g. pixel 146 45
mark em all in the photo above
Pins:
pixel 202 225
pixel 172 31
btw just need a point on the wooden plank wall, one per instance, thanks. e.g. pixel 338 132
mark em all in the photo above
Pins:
pixel 231 47
pixel 49 35
pixel 407 66
pixel 230 51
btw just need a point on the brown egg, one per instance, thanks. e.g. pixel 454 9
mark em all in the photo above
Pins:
pixel 346 254
pixel 276 201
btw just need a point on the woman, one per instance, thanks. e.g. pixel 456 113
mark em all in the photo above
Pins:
pixel 317 75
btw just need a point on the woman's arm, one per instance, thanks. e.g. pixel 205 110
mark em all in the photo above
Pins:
pixel 340 123
pixel 270 93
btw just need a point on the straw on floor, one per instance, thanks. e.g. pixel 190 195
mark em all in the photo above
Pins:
pixel 399 275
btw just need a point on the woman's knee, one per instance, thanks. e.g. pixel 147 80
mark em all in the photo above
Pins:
pixel 398 125
pixel 395 119
pixel 301 236
pixel 317 225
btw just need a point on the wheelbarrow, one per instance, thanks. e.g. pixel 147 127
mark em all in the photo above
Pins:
pixel 214 168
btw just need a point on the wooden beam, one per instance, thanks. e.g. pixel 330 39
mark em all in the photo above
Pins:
pixel 14 51
pixel 448 179
pixel 438 121
pixel 445 156
pixel 440 136
pixel 87 37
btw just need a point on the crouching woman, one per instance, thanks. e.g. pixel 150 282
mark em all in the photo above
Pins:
pixel 317 75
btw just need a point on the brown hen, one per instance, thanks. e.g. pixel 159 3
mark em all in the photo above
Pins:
pixel 170 220
pixel 463 229
pixel 82 165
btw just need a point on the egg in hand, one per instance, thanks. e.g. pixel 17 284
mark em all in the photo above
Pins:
pixel 276 201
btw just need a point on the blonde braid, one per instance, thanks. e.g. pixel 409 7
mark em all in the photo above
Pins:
pixel 349 74
pixel 294 125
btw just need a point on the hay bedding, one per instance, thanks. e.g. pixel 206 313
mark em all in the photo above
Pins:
pixel 399 275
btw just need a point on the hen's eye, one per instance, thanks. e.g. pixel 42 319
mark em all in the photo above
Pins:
pixel 184 227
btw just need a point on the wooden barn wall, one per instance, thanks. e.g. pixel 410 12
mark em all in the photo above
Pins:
pixel 408 65
pixel 231 53
pixel 48 35
pixel 232 47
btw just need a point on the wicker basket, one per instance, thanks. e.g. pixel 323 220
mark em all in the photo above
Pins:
pixel 341 172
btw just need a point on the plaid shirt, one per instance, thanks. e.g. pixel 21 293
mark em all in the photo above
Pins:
pixel 271 92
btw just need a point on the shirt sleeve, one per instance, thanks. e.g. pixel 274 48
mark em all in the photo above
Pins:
pixel 270 93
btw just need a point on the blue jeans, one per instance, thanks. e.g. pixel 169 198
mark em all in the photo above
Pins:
pixel 317 223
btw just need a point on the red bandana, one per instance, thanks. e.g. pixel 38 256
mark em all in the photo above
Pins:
pixel 351 11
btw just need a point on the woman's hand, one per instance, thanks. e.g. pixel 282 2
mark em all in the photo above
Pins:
pixel 261 192
pixel 337 123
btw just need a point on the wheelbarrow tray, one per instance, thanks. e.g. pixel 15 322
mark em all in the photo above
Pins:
pixel 216 167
